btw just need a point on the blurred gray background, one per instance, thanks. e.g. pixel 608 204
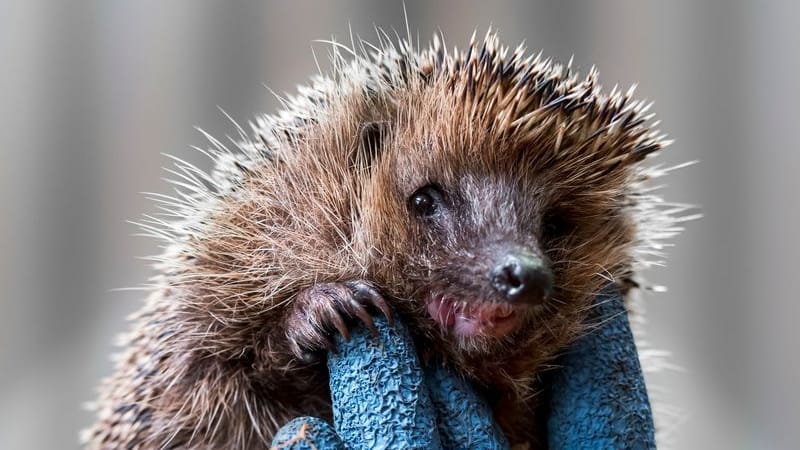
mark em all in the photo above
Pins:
pixel 92 92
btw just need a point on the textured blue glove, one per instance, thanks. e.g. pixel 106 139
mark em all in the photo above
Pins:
pixel 382 398
pixel 599 399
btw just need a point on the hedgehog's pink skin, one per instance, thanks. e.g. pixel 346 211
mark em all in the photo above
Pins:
pixel 474 318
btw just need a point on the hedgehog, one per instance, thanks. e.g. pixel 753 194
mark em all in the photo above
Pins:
pixel 483 195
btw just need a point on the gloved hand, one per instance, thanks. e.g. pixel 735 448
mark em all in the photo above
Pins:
pixel 598 399
pixel 382 398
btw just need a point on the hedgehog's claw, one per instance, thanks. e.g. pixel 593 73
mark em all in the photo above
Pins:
pixel 339 324
pixel 365 293
pixel 325 308
pixel 358 310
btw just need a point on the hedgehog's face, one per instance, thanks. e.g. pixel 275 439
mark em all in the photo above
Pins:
pixel 494 245
pixel 488 253
pixel 479 264
pixel 482 273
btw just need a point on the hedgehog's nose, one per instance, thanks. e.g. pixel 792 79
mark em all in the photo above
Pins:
pixel 522 278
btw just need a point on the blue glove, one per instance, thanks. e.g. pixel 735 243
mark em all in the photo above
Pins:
pixel 598 396
pixel 382 398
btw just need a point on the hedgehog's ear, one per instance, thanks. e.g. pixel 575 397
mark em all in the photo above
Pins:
pixel 371 137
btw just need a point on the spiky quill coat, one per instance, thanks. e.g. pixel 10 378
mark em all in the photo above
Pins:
pixel 307 199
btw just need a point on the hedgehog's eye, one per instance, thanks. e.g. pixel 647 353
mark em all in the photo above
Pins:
pixel 555 225
pixel 426 201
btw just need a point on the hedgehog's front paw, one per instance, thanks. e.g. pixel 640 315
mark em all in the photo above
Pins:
pixel 326 308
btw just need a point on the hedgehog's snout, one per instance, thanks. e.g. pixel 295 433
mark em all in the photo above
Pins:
pixel 522 277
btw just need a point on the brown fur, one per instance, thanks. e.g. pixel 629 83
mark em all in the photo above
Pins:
pixel 212 361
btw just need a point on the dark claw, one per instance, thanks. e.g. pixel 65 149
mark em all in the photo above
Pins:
pixel 339 324
pixel 366 293
pixel 332 306
pixel 361 312
pixel 381 304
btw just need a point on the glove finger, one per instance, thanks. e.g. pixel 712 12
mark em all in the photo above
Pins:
pixel 464 419
pixel 598 395
pixel 378 390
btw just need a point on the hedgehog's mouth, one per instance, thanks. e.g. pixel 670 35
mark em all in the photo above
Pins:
pixel 473 318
